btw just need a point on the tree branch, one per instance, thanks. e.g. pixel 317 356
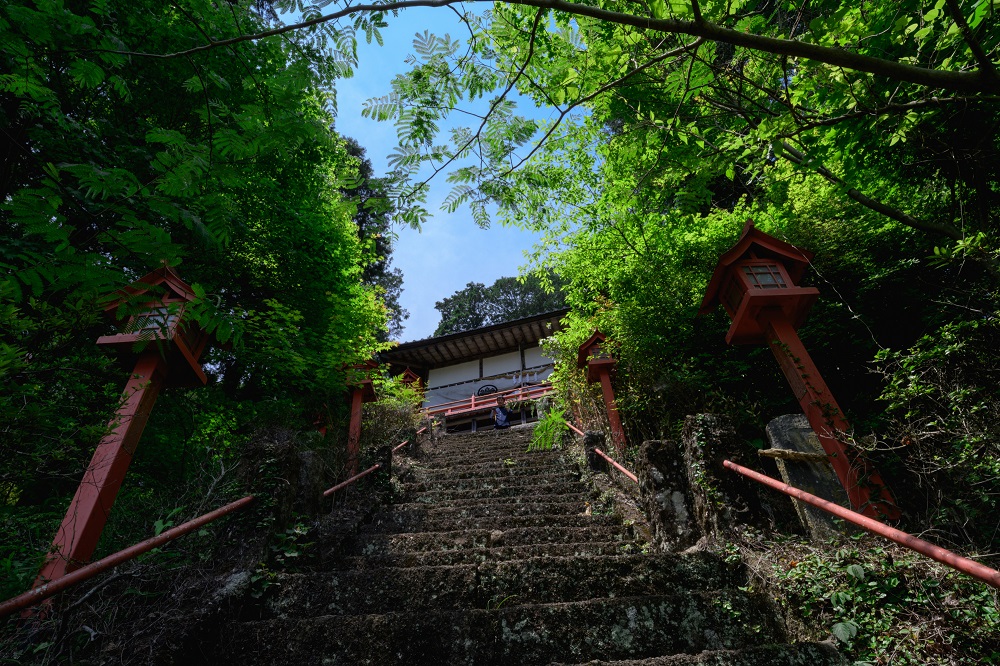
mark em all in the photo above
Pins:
pixel 983 80
pixel 499 100
pixel 885 110
pixel 797 157
pixel 696 10
pixel 985 64
pixel 607 86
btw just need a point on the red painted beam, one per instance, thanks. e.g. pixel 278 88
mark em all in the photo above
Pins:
pixel 867 492
pixel 617 433
pixel 354 430
pixel 46 590
pixel 942 555
pixel 88 512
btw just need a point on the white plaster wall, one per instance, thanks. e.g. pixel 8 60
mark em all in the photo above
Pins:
pixel 502 382
pixel 453 373
pixel 494 365
pixel 533 356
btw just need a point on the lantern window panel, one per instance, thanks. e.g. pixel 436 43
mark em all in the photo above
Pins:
pixel 598 352
pixel 732 297
pixel 154 319
pixel 764 276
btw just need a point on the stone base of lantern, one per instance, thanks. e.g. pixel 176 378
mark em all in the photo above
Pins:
pixel 807 468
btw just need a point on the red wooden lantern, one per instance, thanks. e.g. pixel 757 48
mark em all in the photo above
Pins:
pixel 759 273
pixel 756 281
pixel 594 356
pixel 411 378
pixel 161 297
pixel 171 361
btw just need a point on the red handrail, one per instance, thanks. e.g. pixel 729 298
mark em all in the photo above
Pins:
pixel 468 405
pixel 616 465
pixel 344 484
pixel 605 455
pixel 46 590
pixel 406 441
pixel 506 392
pixel 963 564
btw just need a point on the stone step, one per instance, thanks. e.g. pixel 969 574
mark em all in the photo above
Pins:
pixel 484 440
pixel 429 501
pixel 555 579
pixel 563 488
pixel 781 654
pixel 375 590
pixel 388 544
pixel 409 522
pixel 516 432
pixel 473 457
pixel 493 559
pixel 479 555
pixel 487 585
pixel 491 469
pixel 546 477
pixel 514 436
pixel 423 511
pixel 680 622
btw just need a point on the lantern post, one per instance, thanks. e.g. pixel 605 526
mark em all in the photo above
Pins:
pixel 757 283
pixel 170 359
pixel 361 391
pixel 593 356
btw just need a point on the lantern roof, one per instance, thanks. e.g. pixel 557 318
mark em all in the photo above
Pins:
pixel 762 246
pixel 359 373
pixel 409 377
pixel 184 343
pixel 359 377
pixel 596 338
pixel 164 277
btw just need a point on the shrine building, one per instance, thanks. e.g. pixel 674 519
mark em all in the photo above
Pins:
pixel 462 373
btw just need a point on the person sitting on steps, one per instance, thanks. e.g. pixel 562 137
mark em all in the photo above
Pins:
pixel 501 415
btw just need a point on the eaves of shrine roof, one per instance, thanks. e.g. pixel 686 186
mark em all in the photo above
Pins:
pixel 491 340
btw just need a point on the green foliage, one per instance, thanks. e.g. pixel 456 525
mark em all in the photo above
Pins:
pixel 505 300
pixel 394 417
pixel 708 121
pixel 942 405
pixel 290 545
pixel 224 165
pixel 549 431
pixel 373 216
pixel 885 604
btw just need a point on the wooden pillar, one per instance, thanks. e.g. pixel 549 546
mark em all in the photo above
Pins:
pixel 354 431
pixel 617 433
pixel 77 537
pixel 867 492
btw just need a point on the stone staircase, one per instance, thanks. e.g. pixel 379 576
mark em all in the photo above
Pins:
pixel 495 556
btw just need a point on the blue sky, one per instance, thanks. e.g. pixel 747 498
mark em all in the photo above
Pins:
pixel 451 250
